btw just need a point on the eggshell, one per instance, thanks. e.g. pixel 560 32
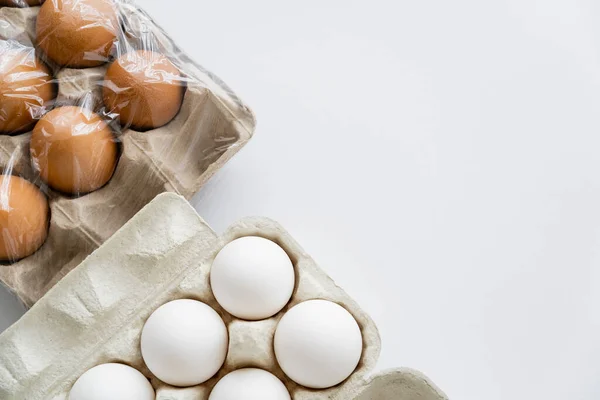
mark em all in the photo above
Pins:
pixel 23 218
pixel 318 344
pixel 184 342
pixel 114 382
pixel 252 278
pixel 144 88
pixel 26 89
pixel 77 33
pixel 73 150
pixel 249 384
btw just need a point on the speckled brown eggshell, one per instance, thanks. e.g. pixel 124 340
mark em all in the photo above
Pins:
pixel 26 89
pixel 144 88
pixel 77 33
pixel 73 150
pixel 23 218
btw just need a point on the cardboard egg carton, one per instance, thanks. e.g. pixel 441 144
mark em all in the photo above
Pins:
pixel 96 313
pixel 212 125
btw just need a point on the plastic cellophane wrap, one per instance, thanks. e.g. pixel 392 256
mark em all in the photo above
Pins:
pixel 99 112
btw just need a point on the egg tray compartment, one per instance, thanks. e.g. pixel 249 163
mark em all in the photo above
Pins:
pixel 96 313
pixel 212 125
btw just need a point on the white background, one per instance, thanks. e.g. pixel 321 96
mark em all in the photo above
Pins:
pixel 439 159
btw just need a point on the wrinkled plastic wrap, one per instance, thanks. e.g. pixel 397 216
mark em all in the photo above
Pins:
pixel 99 112
pixel 96 313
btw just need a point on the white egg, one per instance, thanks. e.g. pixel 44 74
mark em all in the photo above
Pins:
pixel 184 342
pixel 249 384
pixel 114 382
pixel 252 278
pixel 318 344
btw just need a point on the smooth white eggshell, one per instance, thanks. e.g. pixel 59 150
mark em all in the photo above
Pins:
pixel 318 344
pixel 252 278
pixel 114 382
pixel 249 384
pixel 184 342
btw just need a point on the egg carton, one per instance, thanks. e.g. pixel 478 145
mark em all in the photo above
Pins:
pixel 96 313
pixel 212 125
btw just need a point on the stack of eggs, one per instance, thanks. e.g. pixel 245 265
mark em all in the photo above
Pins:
pixel 74 150
pixel 318 344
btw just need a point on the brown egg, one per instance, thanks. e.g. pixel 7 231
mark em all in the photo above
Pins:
pixel 23 218
pixel 20 3
pixel 144 88
pixel 73 150
pixel 26 89
pixel 77 33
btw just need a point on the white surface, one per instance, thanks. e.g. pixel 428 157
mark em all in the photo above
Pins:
pixel 439 159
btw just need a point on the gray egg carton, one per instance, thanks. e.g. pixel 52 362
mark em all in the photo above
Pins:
pixel 96 313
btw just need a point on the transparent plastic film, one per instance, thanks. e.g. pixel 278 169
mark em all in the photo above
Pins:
pixel 99 112
pixel 20 3
pixel 27 86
